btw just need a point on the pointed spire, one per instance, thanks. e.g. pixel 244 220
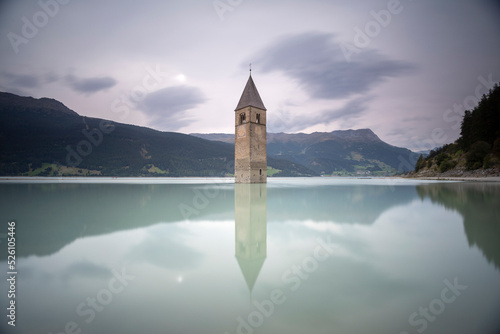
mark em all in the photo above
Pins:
pixel 250 96
pixel 251 270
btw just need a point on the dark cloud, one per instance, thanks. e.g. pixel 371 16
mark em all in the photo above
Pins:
pixel 353 109
pixel 166 107
pixel 90 85
pixel 319 65
pixel 283 121
pixel 51 77
pixel 348 116
pixel 19 81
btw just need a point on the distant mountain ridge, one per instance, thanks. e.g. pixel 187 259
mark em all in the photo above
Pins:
pixel 340 152
pixel 42 137
pixel 21 103
pixel 315 137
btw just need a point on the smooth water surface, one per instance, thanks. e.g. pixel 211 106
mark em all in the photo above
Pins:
pixel 314 255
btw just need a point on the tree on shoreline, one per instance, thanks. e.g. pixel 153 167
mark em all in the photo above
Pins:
pixel 479 142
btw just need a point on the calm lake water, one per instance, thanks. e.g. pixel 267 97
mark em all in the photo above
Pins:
pixel 315 255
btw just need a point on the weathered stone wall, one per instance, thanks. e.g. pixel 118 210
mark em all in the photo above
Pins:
pixel 250 146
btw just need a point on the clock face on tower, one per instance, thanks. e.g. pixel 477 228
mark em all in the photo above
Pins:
pixel 241 131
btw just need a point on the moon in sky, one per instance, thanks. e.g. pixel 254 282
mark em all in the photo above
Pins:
pixel 181 77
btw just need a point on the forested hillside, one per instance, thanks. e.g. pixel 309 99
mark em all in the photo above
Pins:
pixel 42 137
pixel 477 150
pixel 338 153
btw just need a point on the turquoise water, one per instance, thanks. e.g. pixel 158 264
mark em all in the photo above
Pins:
pixel 313 255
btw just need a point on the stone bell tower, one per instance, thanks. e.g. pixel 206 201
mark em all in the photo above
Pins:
pixel 250 154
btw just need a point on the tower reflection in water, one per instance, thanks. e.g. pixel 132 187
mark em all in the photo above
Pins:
pixel 250 209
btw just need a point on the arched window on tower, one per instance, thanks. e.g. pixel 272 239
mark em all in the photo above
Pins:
pixel 242 118
pixel 257 120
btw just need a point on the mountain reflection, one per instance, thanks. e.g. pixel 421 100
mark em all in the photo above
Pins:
pixel 50 216
pixel 361 204
pixel 478 203
pixel 250 212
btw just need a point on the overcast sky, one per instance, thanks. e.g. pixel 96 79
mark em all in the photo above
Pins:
pixel 404 68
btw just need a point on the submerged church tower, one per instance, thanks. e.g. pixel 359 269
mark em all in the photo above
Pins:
pixel 250 154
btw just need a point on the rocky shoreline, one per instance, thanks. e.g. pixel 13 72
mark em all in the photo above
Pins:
pixel 459 174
